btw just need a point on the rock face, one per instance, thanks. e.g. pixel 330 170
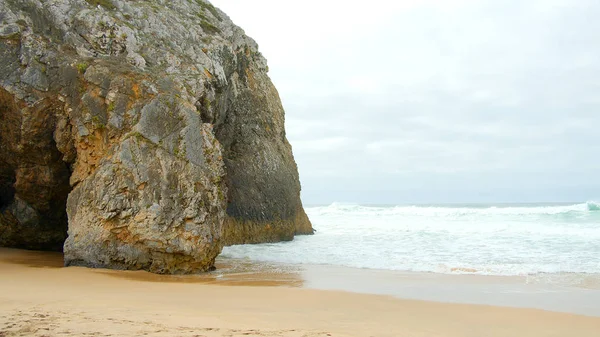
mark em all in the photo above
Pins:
pixel 139 134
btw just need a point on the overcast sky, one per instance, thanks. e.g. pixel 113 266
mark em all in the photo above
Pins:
pixel 436 101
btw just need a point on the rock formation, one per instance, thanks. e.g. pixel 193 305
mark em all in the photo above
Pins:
pixel 148 131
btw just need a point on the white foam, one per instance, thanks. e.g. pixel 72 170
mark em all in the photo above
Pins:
pixel 501 240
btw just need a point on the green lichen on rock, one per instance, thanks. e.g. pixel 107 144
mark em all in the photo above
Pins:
pixel 209 27
pixel 82 67
pixel 107 4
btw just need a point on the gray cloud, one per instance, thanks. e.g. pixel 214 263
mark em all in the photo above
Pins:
pixel 436 101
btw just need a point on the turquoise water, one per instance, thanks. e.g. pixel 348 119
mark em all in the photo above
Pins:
pixel 503 239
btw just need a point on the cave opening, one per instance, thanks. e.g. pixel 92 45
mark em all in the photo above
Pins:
pixel 34 179
pixel 7 174
pixel 7 189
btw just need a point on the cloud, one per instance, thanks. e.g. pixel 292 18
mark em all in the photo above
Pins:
pixel 327 145
pixel 436 100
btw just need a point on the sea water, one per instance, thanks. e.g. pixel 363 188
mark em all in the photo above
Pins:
pixel 518 239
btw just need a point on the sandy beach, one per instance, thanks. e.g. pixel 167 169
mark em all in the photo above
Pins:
pixel 40 298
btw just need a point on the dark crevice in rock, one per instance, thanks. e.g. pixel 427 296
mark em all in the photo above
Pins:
pixel 34 181
pixel 203 106
pixel 7 190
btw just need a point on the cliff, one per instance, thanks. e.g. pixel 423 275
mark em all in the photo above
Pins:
pixel 139 135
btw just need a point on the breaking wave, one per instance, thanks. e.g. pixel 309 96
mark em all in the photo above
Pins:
pixel 425 210
pixel 455 239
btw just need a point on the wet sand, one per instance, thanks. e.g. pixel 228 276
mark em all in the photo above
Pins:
pixel 40 298
pixel 567 292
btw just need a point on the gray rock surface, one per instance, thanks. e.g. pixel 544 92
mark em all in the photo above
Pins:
pixel 148 131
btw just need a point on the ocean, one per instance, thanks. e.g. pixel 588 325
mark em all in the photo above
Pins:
pixel 504 239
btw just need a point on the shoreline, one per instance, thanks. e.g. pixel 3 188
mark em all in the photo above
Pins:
pixel 40 298
pixel 567 293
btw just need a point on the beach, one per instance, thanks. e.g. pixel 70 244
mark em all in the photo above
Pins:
pixel 39 297
pixel 431 173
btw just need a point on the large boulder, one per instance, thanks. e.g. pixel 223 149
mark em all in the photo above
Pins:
pixel 147 131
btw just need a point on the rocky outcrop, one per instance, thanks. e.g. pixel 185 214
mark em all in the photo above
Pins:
pixel 148 132
pixel 264 203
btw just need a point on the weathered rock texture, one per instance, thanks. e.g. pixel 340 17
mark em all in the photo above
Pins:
pixel 149 129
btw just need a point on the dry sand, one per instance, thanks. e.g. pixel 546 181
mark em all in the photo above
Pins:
pixel 40 298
